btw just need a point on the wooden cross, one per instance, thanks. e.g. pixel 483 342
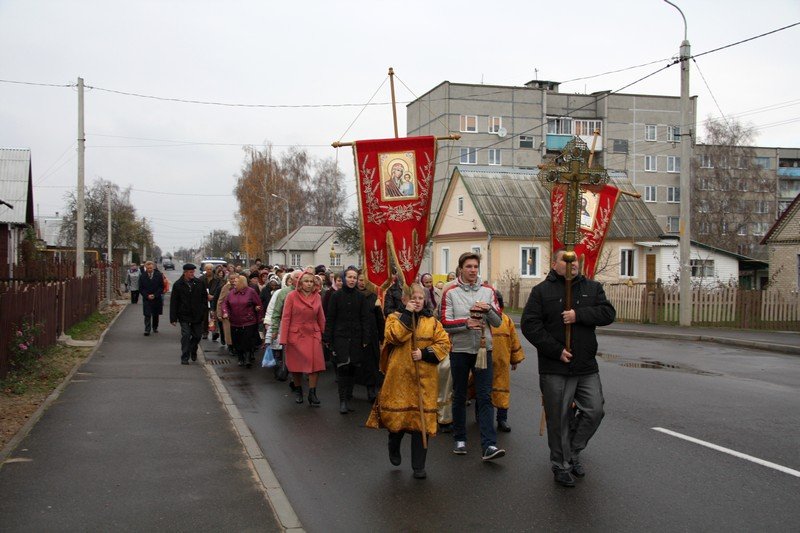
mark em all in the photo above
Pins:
pixel 573 168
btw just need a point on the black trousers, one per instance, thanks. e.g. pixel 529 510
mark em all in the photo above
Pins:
pixel 345 379
pixel 134 297
pixel 190 338
pixel 150 320
pixel 418 452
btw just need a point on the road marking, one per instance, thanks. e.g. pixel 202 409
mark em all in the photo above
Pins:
pixel 740 455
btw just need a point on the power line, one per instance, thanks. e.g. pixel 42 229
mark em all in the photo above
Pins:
pixel 746 40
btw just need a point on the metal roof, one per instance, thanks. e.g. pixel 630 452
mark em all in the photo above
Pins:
pixel 306 238
pixel 15 167
pixel 511 202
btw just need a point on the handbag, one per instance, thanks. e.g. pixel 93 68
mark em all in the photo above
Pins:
pixel 269 358
pixel 280 370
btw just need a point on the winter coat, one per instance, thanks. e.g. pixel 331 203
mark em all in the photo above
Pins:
pixel 240 307
pixel 397 406
pixel 301 326
pixel 456 303
pixel 189 301
pixel 348 325
pixel 132 279
pixel 543 325
pixel 154 286
pixel 393 299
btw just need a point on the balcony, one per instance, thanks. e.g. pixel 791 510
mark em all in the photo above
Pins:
pixel 789 172
pixel 557 142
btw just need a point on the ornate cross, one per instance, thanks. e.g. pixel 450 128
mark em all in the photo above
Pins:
pixel 574 169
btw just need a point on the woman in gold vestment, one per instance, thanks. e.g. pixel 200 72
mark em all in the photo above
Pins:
pixel 409 359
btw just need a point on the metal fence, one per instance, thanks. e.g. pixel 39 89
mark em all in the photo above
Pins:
pixel 711 307
pixel 54 305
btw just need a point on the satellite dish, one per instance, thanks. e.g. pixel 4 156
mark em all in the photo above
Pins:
pixel 502 132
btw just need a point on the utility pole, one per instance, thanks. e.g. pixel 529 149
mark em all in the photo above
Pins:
pixel 80 245
pixel 685 282
pixel 144 240
pixel 110 258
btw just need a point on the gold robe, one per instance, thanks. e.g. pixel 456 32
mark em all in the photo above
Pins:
pixel 397 406
pixel 506 351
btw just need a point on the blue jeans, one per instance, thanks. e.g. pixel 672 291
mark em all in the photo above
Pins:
pixel 460 366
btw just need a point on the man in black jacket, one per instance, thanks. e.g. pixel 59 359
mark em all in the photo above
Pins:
pixel 151 289
pixel 393 299
pixel 189 306
pixel 568 374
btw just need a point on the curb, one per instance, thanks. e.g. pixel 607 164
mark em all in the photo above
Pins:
pixel 25 429
pixel 742 343
pixel 273 492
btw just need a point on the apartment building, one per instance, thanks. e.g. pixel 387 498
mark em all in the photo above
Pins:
pixel 521 126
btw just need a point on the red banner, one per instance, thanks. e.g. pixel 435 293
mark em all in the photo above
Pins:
pixel 597 204
pixel 394 180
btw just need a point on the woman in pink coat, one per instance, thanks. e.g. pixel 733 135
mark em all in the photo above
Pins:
pixel 302 324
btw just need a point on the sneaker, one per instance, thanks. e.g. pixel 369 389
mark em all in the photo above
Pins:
pixel 460 448
pixel 492 452
pixel 563 478
pixel 420 474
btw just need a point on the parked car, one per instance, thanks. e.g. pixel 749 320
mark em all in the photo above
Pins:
pixel 212 262
pixel 168 264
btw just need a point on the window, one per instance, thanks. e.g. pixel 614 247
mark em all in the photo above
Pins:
pixel 760 228
pixel 586 127
pixel 469 156
pixel 724 184
pixel 741 162
pixel 741 230
pixel 702 268
pixel 495 123
pixel 724 227
pixel 704 184
pixel 673 163
pixel 494 156
pixel 674 133
pixel 446 260
pixel 742 185
pixel 722 161
pixel 702 206
pixel 673 225
pixel 650 132
pixel 295 259
pixel 559 125
pixel 650 163
pixel 337 260
pixel 529 261
pixel 705 228
pixel 468 124
pixel 621 146
pixel 460 204
pixel 705 161
pixel 627 262
pixel 649 193
pixel 525 141
pixel 762 206
pixel 762 162
pixel 673 195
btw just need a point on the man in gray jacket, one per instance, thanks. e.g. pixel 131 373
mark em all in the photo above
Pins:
pixel 468 309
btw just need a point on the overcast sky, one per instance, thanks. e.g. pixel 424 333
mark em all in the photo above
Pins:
pixel 325 55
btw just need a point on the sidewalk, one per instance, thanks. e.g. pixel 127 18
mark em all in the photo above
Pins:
pixel 135 441
pixel 773 341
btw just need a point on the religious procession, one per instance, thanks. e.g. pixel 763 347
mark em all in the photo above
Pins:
pixel 421 353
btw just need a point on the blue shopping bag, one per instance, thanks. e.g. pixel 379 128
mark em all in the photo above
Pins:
pixel 269 359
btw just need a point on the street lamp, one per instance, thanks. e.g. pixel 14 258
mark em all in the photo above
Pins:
pixel 286 251
pixel 685 309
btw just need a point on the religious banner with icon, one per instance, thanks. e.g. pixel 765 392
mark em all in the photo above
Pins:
pixel 596 204
pixel 394 180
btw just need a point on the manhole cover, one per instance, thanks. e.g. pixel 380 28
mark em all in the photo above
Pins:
pixel 218 361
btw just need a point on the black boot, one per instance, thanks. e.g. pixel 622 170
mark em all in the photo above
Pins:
pixel 240 354
pixel 371 393
pixel 313 401
pixel 249 360
pixel 342 386
pixel 298 393
pixel 394 448
pixel 343 407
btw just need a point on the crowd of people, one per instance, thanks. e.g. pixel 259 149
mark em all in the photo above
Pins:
pixel 423 352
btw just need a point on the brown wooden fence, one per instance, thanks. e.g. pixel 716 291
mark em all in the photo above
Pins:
pixel 55 306
pixel 717 307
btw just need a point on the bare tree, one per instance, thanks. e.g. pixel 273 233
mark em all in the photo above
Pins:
pixel 733 197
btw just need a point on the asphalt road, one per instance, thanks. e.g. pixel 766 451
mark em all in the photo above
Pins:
pixel 337 475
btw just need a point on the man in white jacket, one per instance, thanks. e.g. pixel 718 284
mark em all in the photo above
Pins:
pixel 468 309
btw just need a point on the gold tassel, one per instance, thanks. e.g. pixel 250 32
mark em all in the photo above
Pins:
pixel 480 360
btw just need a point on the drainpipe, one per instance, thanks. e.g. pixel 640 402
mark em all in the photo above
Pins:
pixel 489 258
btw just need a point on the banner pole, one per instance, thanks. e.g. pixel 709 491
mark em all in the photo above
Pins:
pixel 394 108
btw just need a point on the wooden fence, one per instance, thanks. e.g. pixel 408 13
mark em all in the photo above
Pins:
pixel 717 307
pixel 54 306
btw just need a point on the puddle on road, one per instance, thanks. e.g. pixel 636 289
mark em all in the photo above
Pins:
pixel 653 365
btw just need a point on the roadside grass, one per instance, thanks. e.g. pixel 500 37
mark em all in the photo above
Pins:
pixel 23 390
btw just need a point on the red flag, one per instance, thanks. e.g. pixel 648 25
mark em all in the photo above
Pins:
pixel 394 180
pixel 597 209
